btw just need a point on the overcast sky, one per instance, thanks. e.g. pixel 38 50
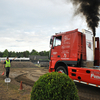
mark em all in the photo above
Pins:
pixel 29 24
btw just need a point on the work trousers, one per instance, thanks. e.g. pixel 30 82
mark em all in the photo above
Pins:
pixel 7 71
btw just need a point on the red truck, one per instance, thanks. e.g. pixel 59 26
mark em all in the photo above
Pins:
pixel 72 53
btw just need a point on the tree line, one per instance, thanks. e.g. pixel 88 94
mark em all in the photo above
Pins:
pixel 26 53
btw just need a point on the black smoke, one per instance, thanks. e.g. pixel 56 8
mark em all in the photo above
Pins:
pixel 90 10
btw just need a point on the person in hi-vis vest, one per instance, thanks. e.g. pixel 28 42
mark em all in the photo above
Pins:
pixel 7 65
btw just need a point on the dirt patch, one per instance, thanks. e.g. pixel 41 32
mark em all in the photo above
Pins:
pixel 24 80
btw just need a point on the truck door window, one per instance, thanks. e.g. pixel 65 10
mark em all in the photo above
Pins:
pixel 57 41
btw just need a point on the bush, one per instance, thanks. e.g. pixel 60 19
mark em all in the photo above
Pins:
pixel 54 86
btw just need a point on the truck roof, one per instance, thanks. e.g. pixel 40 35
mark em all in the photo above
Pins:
pixel 62 33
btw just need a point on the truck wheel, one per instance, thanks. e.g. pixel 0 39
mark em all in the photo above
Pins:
pixel 61 69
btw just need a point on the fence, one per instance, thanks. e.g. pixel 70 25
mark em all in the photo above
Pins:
pixel 16 59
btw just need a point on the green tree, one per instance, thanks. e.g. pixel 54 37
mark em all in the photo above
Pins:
pixel 1 54
pixel 41 53
pixel 21 54
pixel 17 54
pixel 13 54
pixel 44 53
pixel 5 53
pixel 34 52
pixel 10 53
pixel 25 53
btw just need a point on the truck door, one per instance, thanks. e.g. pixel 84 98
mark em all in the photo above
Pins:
pixel 56 47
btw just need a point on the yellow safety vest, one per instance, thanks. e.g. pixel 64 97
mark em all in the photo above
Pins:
pixel 7 63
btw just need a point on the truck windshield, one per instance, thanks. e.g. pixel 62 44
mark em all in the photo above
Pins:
pixel 57 41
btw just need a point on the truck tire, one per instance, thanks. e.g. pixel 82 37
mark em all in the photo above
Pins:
pixel 61 69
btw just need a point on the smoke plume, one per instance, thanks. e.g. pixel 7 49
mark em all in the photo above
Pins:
pixel 90 10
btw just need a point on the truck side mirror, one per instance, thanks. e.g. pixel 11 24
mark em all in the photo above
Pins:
pixel 51 40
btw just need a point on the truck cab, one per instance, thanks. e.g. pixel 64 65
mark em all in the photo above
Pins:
pixel 67 49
